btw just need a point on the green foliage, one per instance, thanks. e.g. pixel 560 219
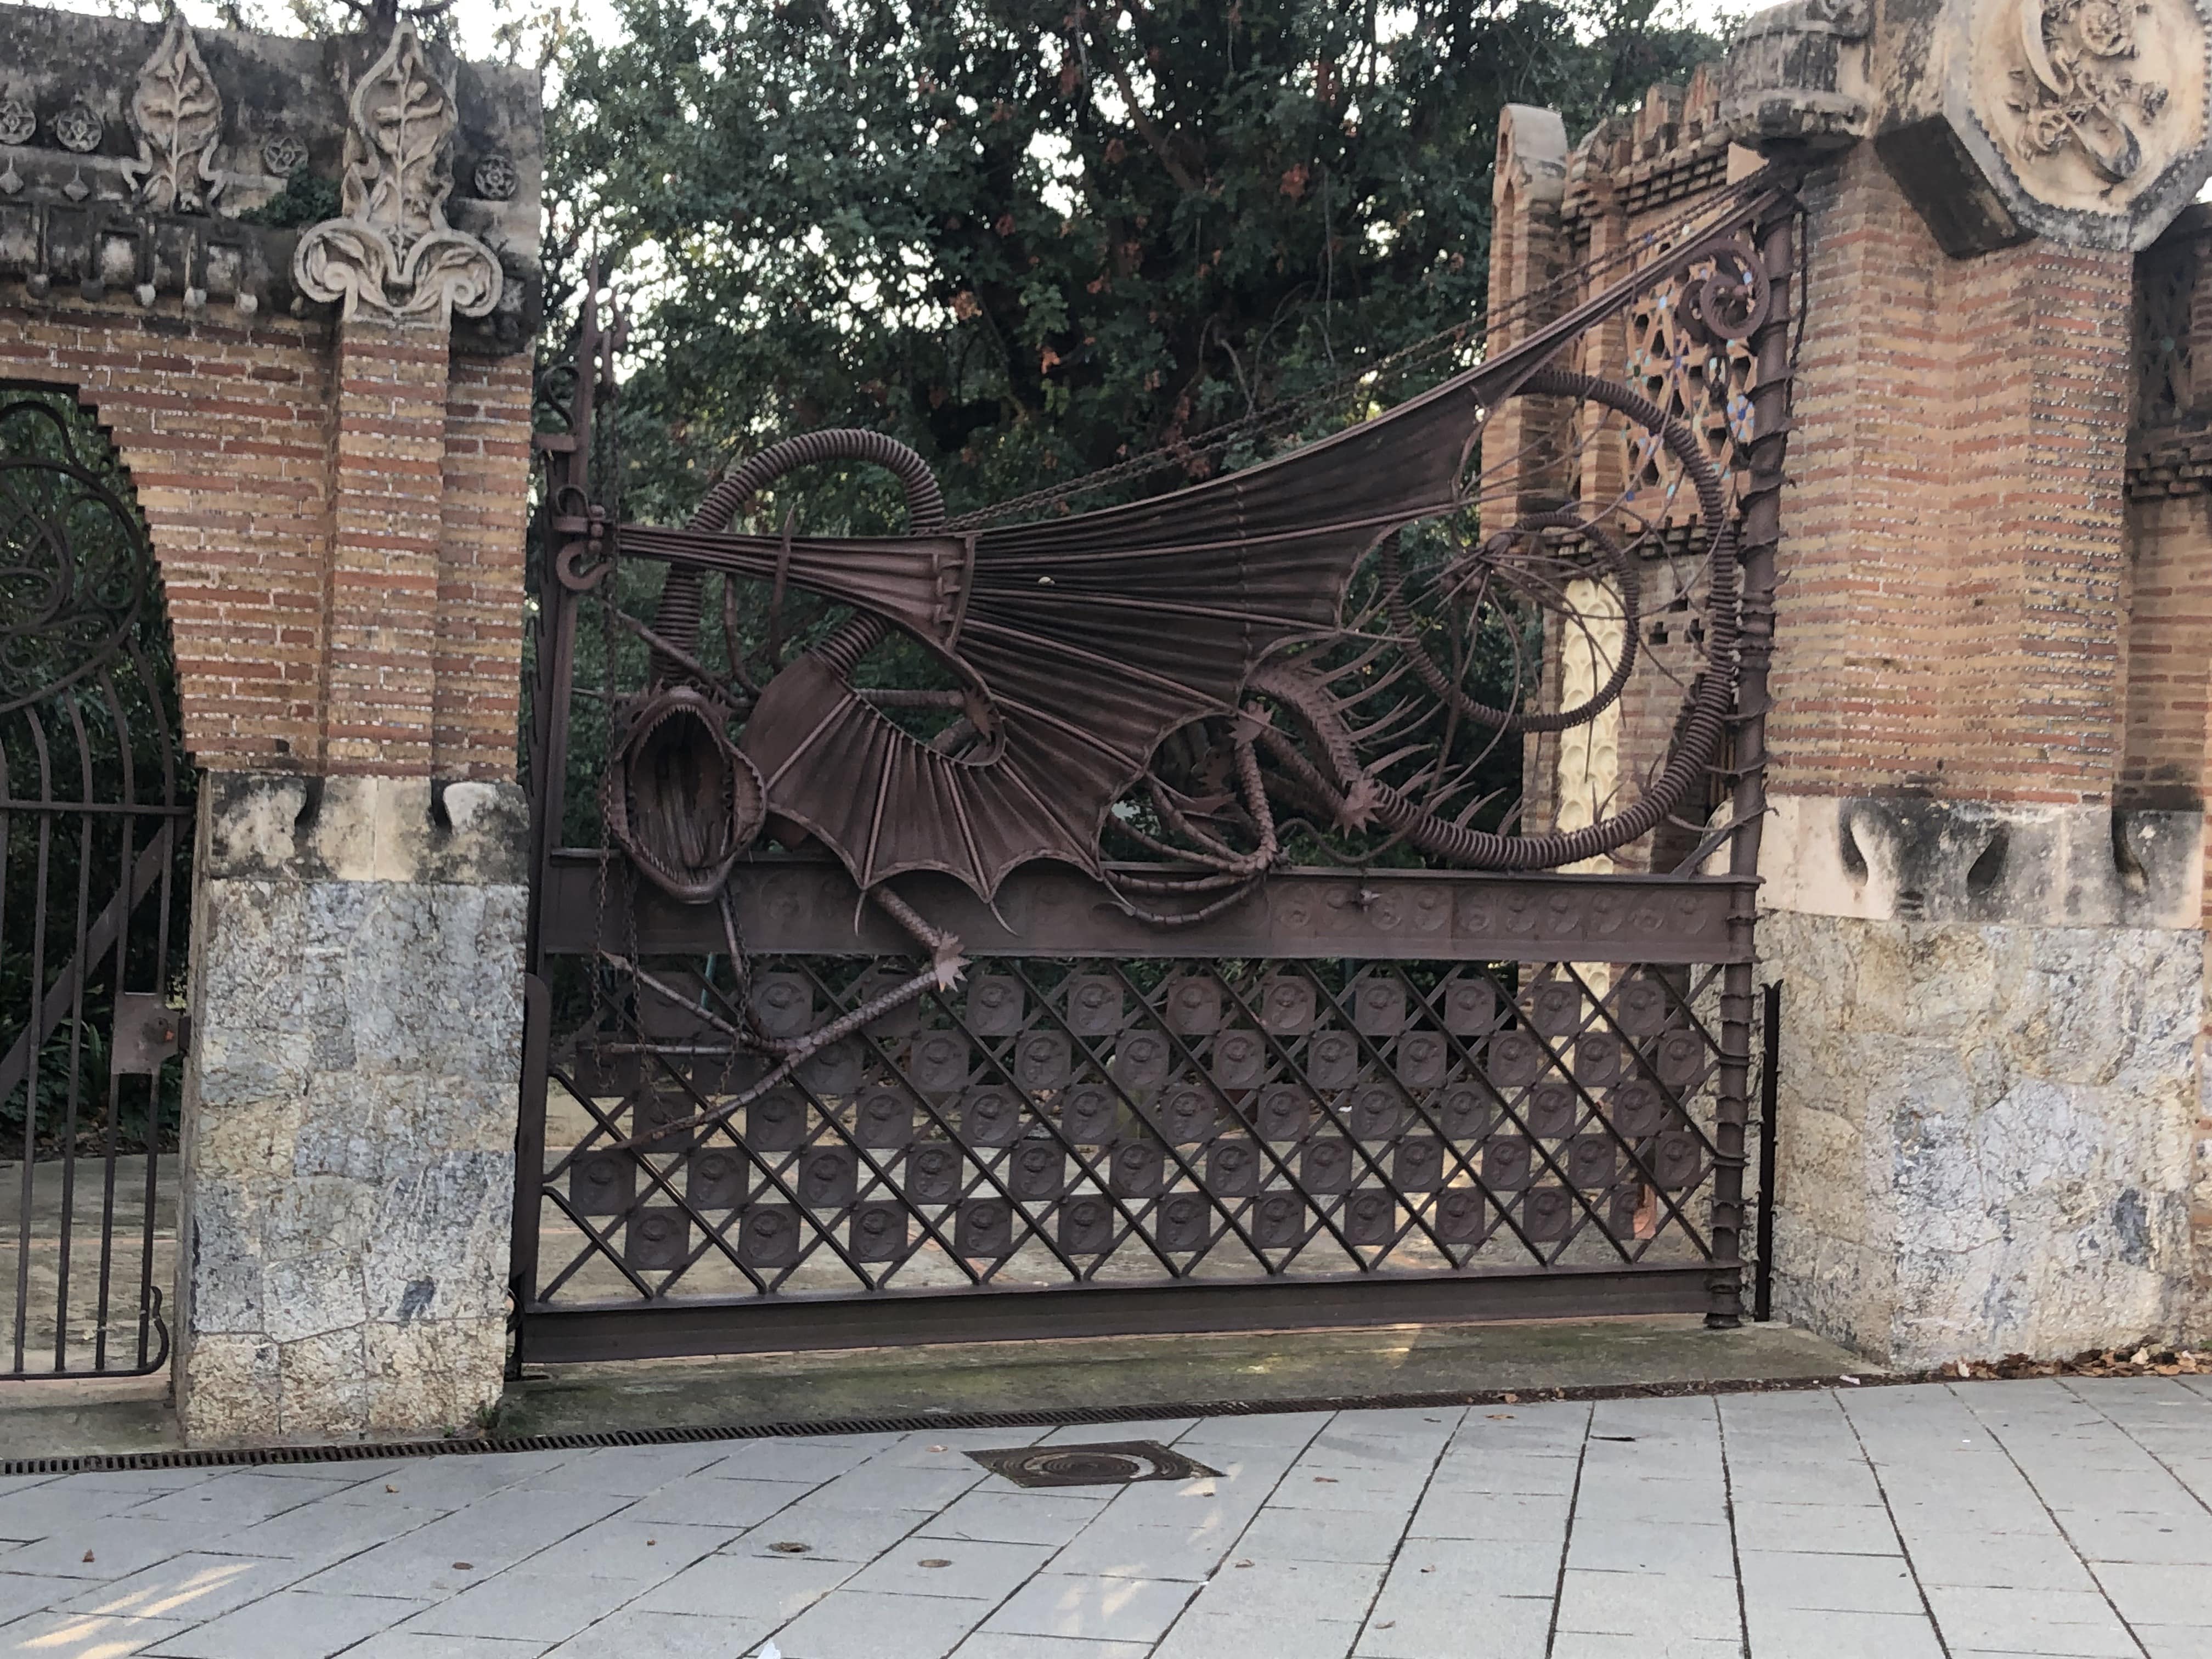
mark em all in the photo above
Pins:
pixel 1032 239
pixel 305 200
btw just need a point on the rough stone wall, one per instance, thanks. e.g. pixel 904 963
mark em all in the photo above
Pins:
pixel 1987 1134
pixel 351 1114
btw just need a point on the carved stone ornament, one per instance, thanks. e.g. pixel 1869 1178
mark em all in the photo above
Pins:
pixel 2083 92
pixel 177 114
pixel 496 179
pixel 19 122
pixel 77 129
pixel 392 254
pixel 2088 117
pixel 1797 76
pixel 282 154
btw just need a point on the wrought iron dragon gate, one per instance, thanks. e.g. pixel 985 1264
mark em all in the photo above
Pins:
pixel 1186 955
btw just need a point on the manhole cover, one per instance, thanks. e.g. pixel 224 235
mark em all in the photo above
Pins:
pixel 1109 1463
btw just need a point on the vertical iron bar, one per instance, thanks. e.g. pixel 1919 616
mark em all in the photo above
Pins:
pixel 80 969
pixel 1762 530
pixel 1769 1103
pixel 557 621
pixel 529 1160
pixel 32 1019
pixel 126 883
pixel 165 734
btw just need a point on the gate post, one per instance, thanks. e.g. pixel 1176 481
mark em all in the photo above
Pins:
pixel 356 988
pixel 1995 967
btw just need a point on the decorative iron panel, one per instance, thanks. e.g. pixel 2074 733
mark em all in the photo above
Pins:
pixel 1075 1122
pixel 95 815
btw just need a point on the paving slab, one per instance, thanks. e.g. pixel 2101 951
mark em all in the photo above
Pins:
pixel 1976 1520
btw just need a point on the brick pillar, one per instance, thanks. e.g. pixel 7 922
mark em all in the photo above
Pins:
pixel 1992 979
pixel 358 939
pixel 387 523
pixel 1524 463
pixel 476 707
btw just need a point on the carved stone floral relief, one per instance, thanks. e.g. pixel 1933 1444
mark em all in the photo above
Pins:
pixel 177 114
pixel 77 129
pixel 393 254
pixel 2092 102
pixel 19 122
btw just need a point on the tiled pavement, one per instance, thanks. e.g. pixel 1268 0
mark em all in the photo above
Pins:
pixel 2040 1518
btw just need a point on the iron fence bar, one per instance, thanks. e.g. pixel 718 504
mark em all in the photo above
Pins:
pixel 164 840
pixel 32 1039
pixel 877 1173
pixel 1325 1214
pixel 1589 1102
pixel 109 1149
pixel 98 808
pixel 80 969
pixel 932 1230
pixel 656 1179
pixel 529 1161
pixel 1519 1123
pixel 1769 1113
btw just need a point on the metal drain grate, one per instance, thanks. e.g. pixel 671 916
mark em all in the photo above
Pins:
pixel 1108 1464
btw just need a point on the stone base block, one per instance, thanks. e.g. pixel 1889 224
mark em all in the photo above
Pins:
pixel 349 1108
pixel 1986 1133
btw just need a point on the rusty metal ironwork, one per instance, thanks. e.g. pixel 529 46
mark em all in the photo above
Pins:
pixel 1191 1056
pixel 95 806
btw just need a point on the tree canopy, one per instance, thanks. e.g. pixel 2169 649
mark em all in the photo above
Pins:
pixel 1032 239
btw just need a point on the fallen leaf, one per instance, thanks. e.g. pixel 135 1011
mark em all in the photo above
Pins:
pixel 1387 1623
pixel 936 1449
pixel 789 1548
pixel 1428 1569
pixel 650 1542
pixel 1243 1564
pixel 88 1555
pixel 464 1566
pixel 1325 1480
pixel 934 1561
pixel 1500 1417
pixel 1512 1399
pixel 392 1489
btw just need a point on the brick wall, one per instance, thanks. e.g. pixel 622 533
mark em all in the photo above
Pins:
pixel 1950 617
pixel 337 513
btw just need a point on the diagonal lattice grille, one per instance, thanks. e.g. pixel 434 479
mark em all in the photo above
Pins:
pixel 1063 1121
